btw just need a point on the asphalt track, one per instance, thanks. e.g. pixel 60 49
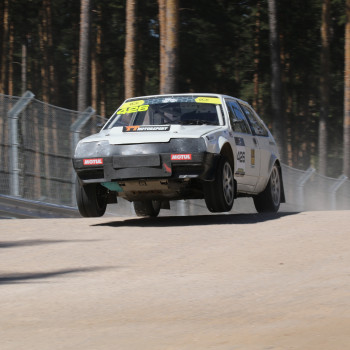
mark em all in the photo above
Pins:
pixel 240 281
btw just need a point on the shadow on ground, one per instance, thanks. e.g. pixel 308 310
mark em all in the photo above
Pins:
pixel 11 278
pixel 199 220
pixel 37 242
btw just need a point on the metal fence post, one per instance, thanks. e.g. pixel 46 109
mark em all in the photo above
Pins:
pixel 334 188
pixel 301 183
pixel 76 128
pixel 180 209
pixel 12 115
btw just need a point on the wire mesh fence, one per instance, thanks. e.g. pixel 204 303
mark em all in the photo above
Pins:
pixel 6 103
pixel 308 190
pixel 44 139
pixel 37 141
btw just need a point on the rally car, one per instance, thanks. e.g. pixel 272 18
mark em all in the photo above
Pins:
pixel 157 149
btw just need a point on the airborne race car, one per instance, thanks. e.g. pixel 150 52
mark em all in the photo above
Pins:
pixel 155 149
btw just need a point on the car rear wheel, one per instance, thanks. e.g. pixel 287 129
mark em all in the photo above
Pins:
pixel 91 199
pixel 269 200
pixel 219 194
pixel 147 208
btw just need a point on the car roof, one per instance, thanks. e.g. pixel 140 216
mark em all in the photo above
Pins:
pixel 184 94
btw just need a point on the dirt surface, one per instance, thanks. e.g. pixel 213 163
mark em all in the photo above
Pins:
pixel 202 282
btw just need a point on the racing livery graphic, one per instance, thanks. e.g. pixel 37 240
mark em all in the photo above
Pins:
pixel 95 161
pixel 162 148
pixel 145 128
pixel 181 157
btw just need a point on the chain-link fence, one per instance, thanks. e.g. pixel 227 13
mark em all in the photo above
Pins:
pixel 37 141
pixel 6 104
pixel 308 190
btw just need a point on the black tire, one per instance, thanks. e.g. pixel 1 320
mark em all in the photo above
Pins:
pixel 219 194
pixel 91 199
pixel 269 200
pixel 147 208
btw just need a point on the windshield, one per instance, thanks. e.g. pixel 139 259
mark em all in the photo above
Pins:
pixel 184 110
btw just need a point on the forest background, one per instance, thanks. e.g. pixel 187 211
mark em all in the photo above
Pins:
pixel 286 58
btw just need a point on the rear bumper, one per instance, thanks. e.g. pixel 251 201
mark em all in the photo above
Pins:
pixel 199 165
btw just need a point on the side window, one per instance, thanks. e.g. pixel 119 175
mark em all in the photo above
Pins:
pixel 237 118
pixel 256 125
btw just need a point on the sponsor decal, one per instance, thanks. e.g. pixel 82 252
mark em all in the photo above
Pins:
pixel 132 104
pixel 169 100
pixel 239 141
pixel 212 100
pixel 167 168
pixel 139 128
pixel 131 128
pixel 252 157
pixel 240 155
pixel 93 161
pixel 181 157
pixel 240 172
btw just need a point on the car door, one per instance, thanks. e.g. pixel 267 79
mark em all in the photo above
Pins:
pixel 261 134
pixel 246 148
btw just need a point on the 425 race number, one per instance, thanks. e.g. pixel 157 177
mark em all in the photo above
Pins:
pixel 241 156
pixel 126 110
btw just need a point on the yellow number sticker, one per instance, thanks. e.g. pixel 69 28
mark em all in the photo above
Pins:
pixel 133 104
pixel 132 109
pixel 122 111
pixel 126 110
pixel 213 100
pixel 143 108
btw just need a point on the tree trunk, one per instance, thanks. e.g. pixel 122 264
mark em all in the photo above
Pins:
pixel 53 87
pixel 96 69
pixel 130 49
pixel 49 82
pixel 162 44
pixel 346 145
pixel 94 79
pixel 24 68
pixel 99 68
pixel 324 88
pixel 4 51
pixel 44 67
pixel 74 74
pixel 83 81
pixel 276 80
pixel 256 100
pixel 171 48
pixel 11 63
pixel 48 96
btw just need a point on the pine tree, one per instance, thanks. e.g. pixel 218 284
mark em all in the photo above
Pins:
pixel 130 49
pixel 83 82
pixel 170 59
pixel 276 80
pixel 324 88
pixel 346 146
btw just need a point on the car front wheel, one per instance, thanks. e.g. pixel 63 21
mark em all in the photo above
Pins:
pixel 269 200
pixel 147 208
pixel 219 194
pixel 91 199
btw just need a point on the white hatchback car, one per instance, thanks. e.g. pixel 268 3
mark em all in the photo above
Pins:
pixel 156 149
